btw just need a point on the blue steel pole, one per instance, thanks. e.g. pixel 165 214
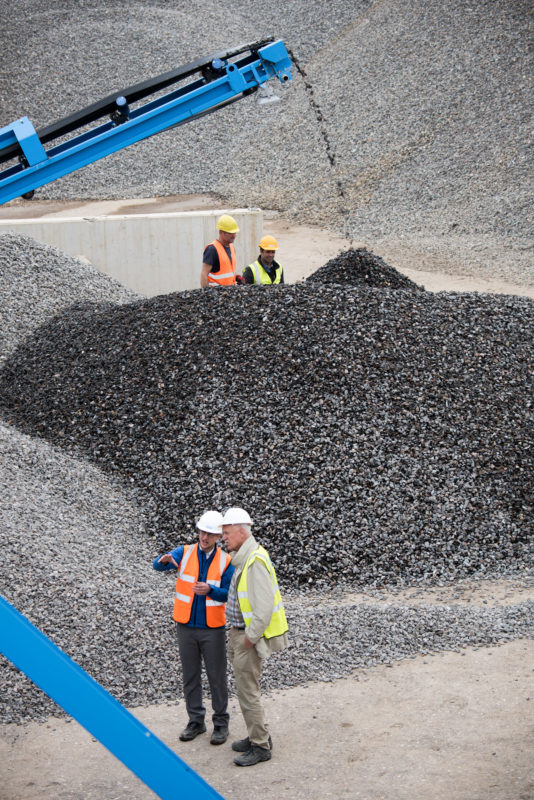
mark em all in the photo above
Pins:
pixel 94 708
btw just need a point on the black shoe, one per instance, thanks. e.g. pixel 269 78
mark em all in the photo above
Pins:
pixel 243 745
pixel 192 730
pixel 219 735
pixel 253 756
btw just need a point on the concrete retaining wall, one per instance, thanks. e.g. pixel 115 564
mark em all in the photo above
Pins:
pixel 150 253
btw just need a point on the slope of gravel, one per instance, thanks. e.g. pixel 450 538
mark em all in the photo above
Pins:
pixel 361 268
pixel 403 119
pixel 77 562
pixel 380 437
pixel 39 281
pixel 394 424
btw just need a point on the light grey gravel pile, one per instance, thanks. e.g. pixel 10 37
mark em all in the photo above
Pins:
pixel 38 281
pixel 404 119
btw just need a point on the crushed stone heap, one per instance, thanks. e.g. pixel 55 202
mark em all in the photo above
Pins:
pixel 39 281
pixel 359 267
pixel 377 436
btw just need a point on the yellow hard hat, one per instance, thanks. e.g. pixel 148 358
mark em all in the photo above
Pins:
pixel 268 243
pixel 227 224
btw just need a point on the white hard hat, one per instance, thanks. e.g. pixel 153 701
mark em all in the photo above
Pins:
pixel 236 516
pixel 210 522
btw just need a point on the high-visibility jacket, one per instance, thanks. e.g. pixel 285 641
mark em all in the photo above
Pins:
pixel 278 623
pixel 188 571
pixel 227 267
pixel 262 276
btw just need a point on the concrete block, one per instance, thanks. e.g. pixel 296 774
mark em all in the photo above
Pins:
pixel 150 253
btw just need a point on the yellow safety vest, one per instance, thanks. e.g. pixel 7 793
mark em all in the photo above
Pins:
pixel 278 624
pixel 261 276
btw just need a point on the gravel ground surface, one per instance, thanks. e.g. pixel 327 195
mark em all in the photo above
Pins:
pixel 403 119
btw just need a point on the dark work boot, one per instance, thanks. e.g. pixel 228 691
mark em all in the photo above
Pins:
pixel 191 730
pixel 253 756
pixel 219 735
pixel 242 745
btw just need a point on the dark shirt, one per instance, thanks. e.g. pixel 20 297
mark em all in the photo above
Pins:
pixel 219 593
pixel 211 257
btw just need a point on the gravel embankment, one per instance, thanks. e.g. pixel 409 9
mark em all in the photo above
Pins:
pixel 380 437
pixel 395 424
pixel 39 281
pixel 405 120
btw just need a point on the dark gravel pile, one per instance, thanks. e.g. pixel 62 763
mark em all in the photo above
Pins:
pixel 377 436
pixel 76 560
pixel 359 267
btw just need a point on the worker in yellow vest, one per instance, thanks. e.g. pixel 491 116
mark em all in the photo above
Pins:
pixel 265 271
pixel 258 628
pixel 219 260
pixel 203 579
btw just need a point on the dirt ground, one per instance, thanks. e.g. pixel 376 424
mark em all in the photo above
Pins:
pixel 443 726
pixel 446 726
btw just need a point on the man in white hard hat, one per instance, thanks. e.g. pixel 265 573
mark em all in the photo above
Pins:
pixel 259 627
pixel 202 584
pixel 265 271
pixel 219 260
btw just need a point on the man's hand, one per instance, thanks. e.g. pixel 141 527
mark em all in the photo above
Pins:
pixel 167 559
pixel 239 279
pixel 201 588
pixel 248 643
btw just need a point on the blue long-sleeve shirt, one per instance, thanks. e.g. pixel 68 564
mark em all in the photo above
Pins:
pixel 218 593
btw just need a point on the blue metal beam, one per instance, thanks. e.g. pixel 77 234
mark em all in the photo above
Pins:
pixel 94 708
pixel 165 112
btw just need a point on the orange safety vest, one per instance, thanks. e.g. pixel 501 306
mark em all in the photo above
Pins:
pixel 188 570
pixel 226 274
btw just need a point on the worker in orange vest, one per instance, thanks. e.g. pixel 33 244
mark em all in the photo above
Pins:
pixel 202 583
pixel 219 260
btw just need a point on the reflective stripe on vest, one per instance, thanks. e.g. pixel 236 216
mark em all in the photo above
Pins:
pixel 262 276
pixel 227 267
pixel 278 622
pixel 188 572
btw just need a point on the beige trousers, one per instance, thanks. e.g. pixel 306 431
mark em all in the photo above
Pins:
pixel 247 669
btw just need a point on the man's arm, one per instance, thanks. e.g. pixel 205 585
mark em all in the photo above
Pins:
pixel 248 275
pixel 210 263
pixel 261 597
pixel 220 593
pixel 169 561
pixel 204 272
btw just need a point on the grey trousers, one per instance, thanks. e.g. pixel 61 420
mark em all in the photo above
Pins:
pixel 209 645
